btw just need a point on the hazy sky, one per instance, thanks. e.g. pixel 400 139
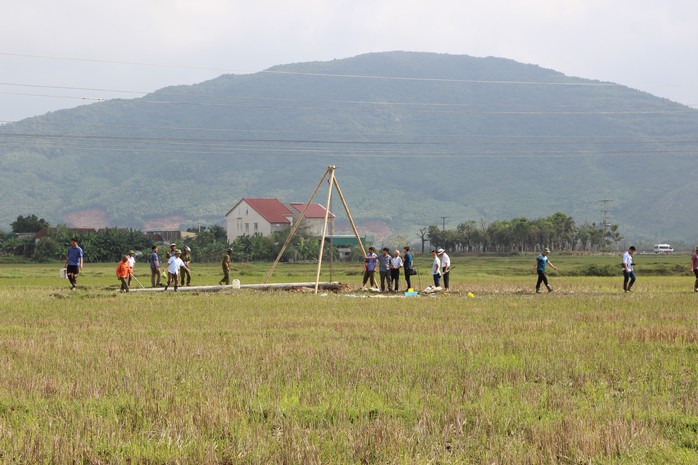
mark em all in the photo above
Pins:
pixel 53 51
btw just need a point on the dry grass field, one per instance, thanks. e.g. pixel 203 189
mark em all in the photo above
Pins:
pixel 583 375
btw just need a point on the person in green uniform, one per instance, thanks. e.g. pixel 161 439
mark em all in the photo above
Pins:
pixel 225 264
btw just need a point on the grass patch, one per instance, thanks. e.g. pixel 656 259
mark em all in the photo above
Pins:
pixel 586 374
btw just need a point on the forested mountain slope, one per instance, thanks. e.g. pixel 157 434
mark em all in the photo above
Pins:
pixel 415 137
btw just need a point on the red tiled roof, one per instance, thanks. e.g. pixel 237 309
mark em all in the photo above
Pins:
pixel 271 210
pixel 315 210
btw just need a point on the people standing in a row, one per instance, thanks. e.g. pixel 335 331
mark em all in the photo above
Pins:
pixel 395 265
pixel 73 263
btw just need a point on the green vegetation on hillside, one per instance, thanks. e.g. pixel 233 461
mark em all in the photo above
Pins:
pixel 415 136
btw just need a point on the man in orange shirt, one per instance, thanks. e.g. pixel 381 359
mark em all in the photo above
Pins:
pixel 123 271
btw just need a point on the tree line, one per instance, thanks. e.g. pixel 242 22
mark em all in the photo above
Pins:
pixel 518 235
pixel 557 231
pixel 110 244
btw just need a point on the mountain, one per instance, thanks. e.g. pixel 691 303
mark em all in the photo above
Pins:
pixel 415 137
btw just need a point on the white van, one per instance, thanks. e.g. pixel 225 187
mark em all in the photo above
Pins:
pixel 663 248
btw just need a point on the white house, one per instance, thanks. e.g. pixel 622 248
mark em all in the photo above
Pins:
pixel 265 216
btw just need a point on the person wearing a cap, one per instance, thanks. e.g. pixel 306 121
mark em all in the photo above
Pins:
pixel 628 271
pixel 123 273
pixel 225 264
pixel 541 262
pixel 370 261
pixel 186 272
pixel 154 262
pixel 173 266
pixel 131 264
pixel 171 251
pixel 694 267
pixel 445 267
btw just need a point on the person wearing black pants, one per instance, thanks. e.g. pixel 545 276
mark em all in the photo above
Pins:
pixel 541 262
pixel 407 265
pixel 395 265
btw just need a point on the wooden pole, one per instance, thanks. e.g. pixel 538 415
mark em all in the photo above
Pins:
pixel 295 226
pixel 330 169
pixel 351 220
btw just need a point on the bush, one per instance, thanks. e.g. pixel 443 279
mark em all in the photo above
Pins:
pixel 598 270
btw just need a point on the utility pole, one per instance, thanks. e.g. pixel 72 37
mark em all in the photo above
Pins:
pixel 604 212
pixel 443 223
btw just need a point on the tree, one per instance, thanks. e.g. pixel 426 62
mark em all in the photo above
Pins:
pixel 29 224
pixel 423 236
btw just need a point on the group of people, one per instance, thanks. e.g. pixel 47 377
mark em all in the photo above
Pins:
pixel 389 267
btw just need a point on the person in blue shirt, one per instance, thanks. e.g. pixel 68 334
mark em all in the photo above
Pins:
pixel 73 263
pixel 154 262
pixel 370 261
pixel 407 265
pixel 541 261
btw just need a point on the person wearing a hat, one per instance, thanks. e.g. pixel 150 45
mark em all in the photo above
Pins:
pixel 694 267
pixel 225 264
pixel 123 273
pixel 541 262
pixel 171 251
pixel 173 266
pixel 186 273
pixel 131 264
pixel 445 267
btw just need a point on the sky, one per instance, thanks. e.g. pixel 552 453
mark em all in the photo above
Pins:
pixel 61 54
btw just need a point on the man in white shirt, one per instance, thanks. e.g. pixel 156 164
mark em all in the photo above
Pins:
pixel 131 264
pixel 445 267
pixel 628 273
pixel 395 265
pixel 173 266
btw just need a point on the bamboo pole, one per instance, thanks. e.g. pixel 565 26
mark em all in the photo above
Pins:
pixel 295 226
pixel 330 169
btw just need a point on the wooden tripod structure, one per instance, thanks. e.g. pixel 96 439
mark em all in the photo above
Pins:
pixel 332 184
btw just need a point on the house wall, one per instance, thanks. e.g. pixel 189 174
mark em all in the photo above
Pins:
pixel 314 225
pixel 242 220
